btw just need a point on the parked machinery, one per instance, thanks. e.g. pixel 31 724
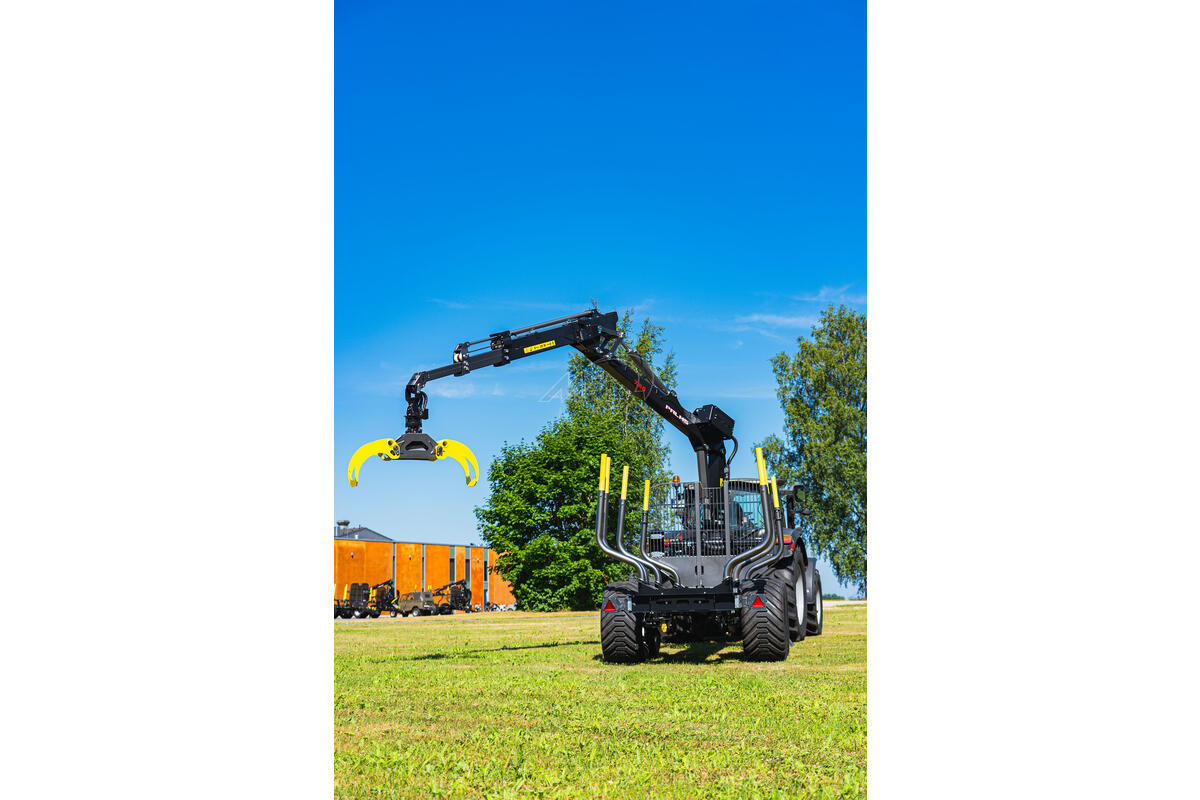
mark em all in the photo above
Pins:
pixel 709 563
pixel 717 561
pixel 453 597
pixel 355 602
pixel 383 598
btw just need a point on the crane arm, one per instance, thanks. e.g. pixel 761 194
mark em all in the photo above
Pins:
pixel 592 333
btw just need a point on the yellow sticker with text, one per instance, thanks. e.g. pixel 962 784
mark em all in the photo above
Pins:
pixel 533 348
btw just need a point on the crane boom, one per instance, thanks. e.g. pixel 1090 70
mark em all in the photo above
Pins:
pixel 597 336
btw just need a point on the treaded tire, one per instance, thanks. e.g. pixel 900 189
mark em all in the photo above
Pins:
pixel 794 603
pixel 814 614
pixel 765 630
pixel 620 641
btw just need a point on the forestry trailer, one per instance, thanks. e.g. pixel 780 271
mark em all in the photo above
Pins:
pixel 715 558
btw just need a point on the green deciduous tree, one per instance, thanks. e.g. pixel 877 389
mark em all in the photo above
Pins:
pixel 540 515
pixel 823 392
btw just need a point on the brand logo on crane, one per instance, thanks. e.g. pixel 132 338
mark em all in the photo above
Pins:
pixel 677 415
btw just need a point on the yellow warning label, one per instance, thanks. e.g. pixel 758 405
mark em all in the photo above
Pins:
pixel 533 348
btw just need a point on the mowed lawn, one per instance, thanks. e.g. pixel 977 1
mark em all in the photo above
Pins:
pixel 515 705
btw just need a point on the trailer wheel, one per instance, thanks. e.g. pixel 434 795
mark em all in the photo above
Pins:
pixel 392 613
pixel 764 619
pixel 445 608
pixel 814 615
pixel 795 600
pixel 621 639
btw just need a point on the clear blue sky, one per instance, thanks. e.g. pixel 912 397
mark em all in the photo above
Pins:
pixel 498 164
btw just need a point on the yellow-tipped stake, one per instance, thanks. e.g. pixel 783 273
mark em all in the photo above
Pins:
pixel 775 491
pixel 624 480
pixel 646 498
pixel 762 468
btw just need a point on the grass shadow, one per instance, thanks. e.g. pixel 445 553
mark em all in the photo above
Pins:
pixel 702 652
pixel 468 653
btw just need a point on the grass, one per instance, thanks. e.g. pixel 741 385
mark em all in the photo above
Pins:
pixel 521 706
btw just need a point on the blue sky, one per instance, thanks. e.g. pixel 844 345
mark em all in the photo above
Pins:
pixel 499 164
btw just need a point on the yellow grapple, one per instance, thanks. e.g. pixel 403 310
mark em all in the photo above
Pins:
pixel 414 447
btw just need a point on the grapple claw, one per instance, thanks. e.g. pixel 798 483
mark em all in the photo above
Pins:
pixel 380 447
pixel 414 447
pixel 448 448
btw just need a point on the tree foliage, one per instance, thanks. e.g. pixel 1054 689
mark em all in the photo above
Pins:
pixel 540 515
pixel 823 392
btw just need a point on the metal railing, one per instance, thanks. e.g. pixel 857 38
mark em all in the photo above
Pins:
pixel 685 519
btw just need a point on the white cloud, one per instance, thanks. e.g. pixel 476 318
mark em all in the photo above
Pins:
pixel 448 303
pixel 778 320
pixel 833 294
pixel 452 389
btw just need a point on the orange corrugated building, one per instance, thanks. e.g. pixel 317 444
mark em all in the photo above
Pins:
pixel 361 555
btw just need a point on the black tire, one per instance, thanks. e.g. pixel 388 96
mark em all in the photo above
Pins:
pixel 621 639
pixel 765 629
pixel 445 608
pixel 374 615
pixel 795 600
pixel 814 614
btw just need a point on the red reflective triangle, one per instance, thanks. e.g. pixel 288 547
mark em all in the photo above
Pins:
pixel 758 603
pixel 608 606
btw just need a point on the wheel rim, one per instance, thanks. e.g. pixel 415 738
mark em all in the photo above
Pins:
pixel 800 595
pixel 820 606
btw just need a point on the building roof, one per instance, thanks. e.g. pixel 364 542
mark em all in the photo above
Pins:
pixel 361 534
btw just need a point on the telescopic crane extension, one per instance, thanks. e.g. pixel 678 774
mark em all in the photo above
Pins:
pixel 596 336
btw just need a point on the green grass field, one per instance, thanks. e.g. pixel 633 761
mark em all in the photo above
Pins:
pixel 520 705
